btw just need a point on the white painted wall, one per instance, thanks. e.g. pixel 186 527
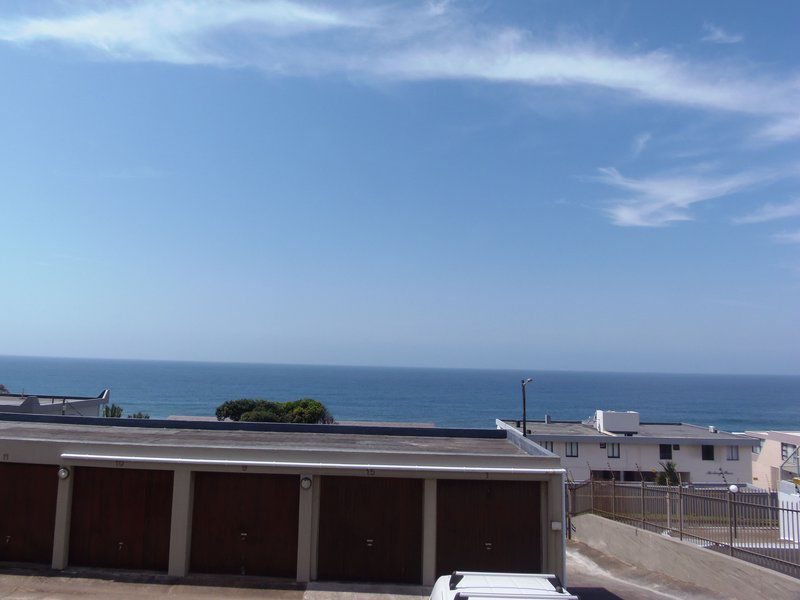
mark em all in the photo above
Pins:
pixel 687 459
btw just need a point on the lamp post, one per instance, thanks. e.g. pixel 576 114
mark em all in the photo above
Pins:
pixel 525 382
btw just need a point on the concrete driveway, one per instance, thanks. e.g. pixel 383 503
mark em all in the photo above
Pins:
pixel 592 576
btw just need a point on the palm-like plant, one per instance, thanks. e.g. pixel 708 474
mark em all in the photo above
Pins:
pixel 669 474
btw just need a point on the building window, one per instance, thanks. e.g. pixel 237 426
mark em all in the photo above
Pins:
pixel 665 451
pixel 547 446
pixel 757 447
pixel 708 451
pixel 787 450
pixel 733 452
pixel 613 451
pixel 572 449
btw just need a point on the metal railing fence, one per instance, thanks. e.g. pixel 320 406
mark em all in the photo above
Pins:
pixel 753 526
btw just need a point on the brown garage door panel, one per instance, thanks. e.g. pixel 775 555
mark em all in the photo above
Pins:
pixel 488 526
pixel 121 518
pixel 245 524
pixel 370 529
pixel 27 511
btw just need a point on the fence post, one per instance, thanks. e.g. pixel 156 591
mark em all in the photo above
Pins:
pixel 680 509
pixel 591 487
pixel 570 504
pixel 614 499
pixel 669 507
pixel 730 523
pixel 641 494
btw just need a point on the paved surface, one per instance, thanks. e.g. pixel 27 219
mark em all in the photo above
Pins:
pixel 592 576
pixel 596 576
pixel 333 438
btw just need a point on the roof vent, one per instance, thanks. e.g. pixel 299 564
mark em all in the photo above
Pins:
pixel 712 429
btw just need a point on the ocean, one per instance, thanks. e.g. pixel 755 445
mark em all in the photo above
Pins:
pixel 446 397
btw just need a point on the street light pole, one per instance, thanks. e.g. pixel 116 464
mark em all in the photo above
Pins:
pixel 525 382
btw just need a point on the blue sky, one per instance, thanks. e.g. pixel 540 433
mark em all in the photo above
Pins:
pixel 548 185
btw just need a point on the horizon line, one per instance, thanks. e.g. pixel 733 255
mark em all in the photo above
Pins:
pixel 410 367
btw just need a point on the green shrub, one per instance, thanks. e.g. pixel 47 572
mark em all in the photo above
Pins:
pixel 305 410
pixel 112 411
pixel 139 415
pixel 261 415
pixel 234 409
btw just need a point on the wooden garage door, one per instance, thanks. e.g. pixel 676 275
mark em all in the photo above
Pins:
pixel 488 526
pixel 27 512
pixel 245 524
pixel 121 518
pixel 370 529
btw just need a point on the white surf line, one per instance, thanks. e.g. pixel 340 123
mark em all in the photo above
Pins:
pixel 592 566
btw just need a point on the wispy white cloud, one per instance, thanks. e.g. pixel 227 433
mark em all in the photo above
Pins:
pixel 771 212
pixel 428 41
pixel 177 31
pixel 513 57
pixel 782 129
pixel 660 200
pixel 717 35
pixel 640 142
pixel 787 237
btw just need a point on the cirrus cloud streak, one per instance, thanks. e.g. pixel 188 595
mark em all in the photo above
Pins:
pixel 401 42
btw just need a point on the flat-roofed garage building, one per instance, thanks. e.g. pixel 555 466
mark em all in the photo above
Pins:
pixel 328 502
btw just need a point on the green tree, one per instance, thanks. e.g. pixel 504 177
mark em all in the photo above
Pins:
pixel 112 411
pixel 305 410
pixel 4 390
pixel 234 409
pixel 668 475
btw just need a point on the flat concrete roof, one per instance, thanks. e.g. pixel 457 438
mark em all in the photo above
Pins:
pixel 648 433
pixel 255 440
pixel 264 436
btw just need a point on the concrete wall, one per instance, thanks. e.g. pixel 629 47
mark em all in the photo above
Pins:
pixel 646 456
pixel 731 577
pixel 766 465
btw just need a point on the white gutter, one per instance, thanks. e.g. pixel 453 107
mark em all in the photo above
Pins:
pixel 311 465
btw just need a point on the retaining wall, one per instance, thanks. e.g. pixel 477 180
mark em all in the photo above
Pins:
pixel 734 578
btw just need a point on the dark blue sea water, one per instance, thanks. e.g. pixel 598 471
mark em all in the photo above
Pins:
pixel 447 397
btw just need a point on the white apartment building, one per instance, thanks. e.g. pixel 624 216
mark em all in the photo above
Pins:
pixel 616 444
pixel 774 448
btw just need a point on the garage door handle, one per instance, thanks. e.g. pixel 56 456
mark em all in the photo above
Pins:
pixel 8 539
pixel 120 546
pixel 243 536
pixel 487 545
pixel 370 542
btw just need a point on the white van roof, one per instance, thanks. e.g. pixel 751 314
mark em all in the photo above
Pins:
pixel 511 586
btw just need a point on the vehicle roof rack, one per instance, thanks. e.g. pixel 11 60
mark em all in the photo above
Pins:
pixel 455 579
pixel 555 581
